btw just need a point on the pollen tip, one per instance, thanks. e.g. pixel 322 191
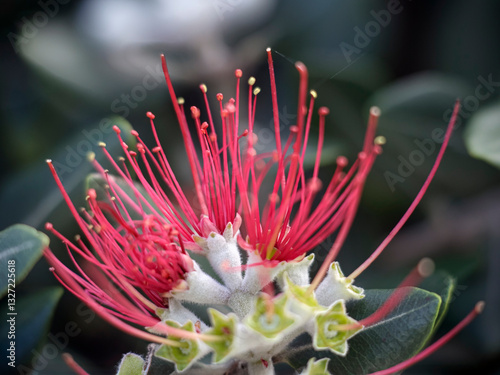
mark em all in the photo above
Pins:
pixel 313 93
pixel 299 65
pixel 92 193
pixel 180 101
pixel 150 115
pixel 52 269
pixel 380 140
pixel 48 161
pixel 256 90
pixel 251 81
pixel 426 267
pixel 101 144
pixel 48 226
pixel 135 133
pixel 219 97
pixel 203 88
pixel 121 158
pixel 375 111
pixel 116 129
pixel 195 112
pixel 342 161
pixel 268 49
pixel 480 307
pixel 238 73
pixel 77 237
pixel 91 156
pixel 323 111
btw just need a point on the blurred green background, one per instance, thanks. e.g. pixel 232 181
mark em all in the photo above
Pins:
pixel 69 67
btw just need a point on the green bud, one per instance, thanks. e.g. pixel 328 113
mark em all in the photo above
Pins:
pixel 329 332
pixel 223 326
pixel 317 367
pixel 185 354
pixel 131 364
pixel 302 295
pixel 270 324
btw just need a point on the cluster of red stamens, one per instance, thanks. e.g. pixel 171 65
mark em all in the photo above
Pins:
pixel 135 244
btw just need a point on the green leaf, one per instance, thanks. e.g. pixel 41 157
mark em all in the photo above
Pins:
pixel 443 284
pixel 399 336
pixel 20 248
pixel 34 313
pixel 131 364
pixel 482 136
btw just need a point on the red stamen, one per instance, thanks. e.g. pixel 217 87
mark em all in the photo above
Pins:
pixel 71 363
pixel 415 203
pixel 423 270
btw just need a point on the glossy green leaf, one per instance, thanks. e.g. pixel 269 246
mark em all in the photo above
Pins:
pixel 20 248
pixel 482 136
pixel 444 285
pixel 34 312
pixel 399 336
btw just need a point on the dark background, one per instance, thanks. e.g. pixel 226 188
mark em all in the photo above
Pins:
pixel 65 72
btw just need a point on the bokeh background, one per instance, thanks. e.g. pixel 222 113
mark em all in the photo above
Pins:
pixel 68 68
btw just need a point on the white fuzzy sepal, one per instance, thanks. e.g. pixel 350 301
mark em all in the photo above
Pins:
pixel 199 287
pixel 224 256
pixel 336 286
